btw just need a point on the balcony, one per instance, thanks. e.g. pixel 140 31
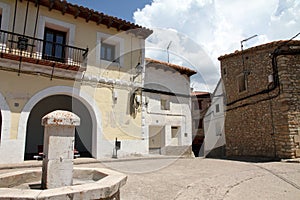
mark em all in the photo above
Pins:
pixel 22 48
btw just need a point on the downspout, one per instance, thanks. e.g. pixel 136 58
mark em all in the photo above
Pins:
pixel 277 52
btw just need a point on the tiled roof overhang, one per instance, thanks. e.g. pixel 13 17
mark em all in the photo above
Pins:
pixel 180 69
pixel 270 45
pixel 95 16
pixel 200 94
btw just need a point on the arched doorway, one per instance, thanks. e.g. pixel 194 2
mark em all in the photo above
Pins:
pixel 34 133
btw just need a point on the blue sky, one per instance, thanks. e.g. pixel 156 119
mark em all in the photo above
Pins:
pixel 203 30
pixel 123 9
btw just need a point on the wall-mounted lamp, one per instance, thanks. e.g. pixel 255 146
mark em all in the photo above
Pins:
pixel 138 70
pixel 138 99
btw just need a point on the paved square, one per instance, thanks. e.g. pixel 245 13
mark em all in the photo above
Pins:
pixel 197 179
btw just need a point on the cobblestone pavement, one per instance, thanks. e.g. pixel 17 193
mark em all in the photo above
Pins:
pixel 197 179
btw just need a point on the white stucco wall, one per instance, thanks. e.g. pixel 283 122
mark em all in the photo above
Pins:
pixel 179 114
pixel 214 121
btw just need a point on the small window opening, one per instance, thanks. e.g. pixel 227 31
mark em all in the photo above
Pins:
pixel 108 52
pixel 217 108
pixel 242 85
pixel 165 104
pixel 174 132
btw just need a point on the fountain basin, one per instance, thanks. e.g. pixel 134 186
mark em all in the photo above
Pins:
pixel 88 183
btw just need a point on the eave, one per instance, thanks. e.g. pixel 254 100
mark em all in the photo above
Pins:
pixel 95 16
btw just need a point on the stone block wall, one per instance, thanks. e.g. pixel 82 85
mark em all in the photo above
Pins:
pixel 289 101
pixel 248 131
pixel 257 122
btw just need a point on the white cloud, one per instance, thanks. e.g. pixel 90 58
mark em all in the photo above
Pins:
pixel 215 26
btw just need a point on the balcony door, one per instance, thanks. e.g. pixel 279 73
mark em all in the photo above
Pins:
pixel 54 45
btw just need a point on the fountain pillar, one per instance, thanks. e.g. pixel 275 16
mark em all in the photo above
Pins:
pixel 58 148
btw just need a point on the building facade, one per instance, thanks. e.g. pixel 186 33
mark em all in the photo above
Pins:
pixel 214 142
pixel 167 109
pixel 200 103
pixel 55 55
pixel 263 93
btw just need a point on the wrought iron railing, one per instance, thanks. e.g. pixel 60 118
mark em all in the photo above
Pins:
pixel 32 49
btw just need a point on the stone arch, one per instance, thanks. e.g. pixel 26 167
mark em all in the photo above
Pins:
pixel 84 98
pixel 34 132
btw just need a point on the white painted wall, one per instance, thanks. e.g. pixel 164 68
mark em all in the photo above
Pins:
pixel 179 114
pixel 214 121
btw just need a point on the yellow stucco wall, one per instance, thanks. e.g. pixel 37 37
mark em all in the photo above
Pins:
pixel 116 121
pixel 85 36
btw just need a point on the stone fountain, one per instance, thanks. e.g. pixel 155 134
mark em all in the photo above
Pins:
pixel 58 179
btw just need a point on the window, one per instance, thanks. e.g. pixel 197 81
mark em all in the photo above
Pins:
pixel 59 26
pixel 50 23
pixel 164 104
pixel 54 45
pixel 108 52
pixel 5 15
pixel 110 48
pixel 242 85
pixel 224 71
pixel 174 132
pixel 217 108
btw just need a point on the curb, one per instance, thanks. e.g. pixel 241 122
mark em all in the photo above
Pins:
pixel 295 160
pixel 81 161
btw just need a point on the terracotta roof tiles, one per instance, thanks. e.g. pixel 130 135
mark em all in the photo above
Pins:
pixel 199 93
pixel 180 69
pixel 92 15
pixel 273 44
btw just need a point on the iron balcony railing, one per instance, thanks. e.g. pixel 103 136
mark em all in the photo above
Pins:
pixel 30 49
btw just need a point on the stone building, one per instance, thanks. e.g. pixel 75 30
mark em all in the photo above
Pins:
pixel 200 104
pixel 57 55
pixel 262 87
pixel 166 112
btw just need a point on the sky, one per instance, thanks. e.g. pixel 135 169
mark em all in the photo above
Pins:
pixel 199 31
pixel 123 9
